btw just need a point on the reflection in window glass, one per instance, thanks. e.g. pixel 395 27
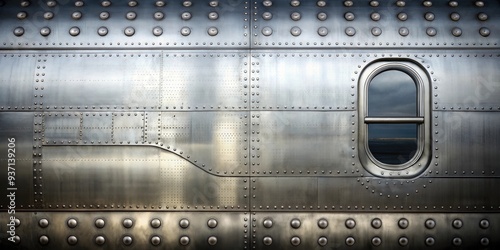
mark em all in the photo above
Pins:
pixel 392 93
pixel 392 143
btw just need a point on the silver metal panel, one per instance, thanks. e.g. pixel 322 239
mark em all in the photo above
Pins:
pixel 153 178
pixel 145 80
pixel 16 145
pixel 469 83
pixel 303 81
pixel 232 25
pixel 384 33
pixel 231 230
pixel 466 144
pixel 294 143
pixel 373 194
pixel 16 83
pixel 337 233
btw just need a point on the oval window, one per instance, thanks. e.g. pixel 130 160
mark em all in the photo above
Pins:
pixel 394 130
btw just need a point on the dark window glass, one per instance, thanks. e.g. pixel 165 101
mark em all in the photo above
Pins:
pixel 392 143
pixel 392 93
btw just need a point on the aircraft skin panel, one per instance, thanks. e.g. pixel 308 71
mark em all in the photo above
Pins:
pixel 249 124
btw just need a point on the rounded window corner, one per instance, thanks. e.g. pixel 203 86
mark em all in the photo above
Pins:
pixel 394 118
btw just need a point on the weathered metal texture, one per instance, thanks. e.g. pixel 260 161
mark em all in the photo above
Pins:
pixel 252 116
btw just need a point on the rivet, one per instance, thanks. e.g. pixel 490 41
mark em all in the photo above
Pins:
pixel 213 15
pixel 76 15
pixel 429 241
pixel 350 223
pixel 212 31
pixel 267 15
pixel 349 16
pixel 375 16
pixel 457 223
pixel 155 223
pixel 213 3
pixel 321 3
pixel 187 3
pixel 130 15
pixel 457 241
pixel 22 15
pixel 267 3
pixel 104 15
pixel 186 15
pixel 132 3
pixel 456 32
pixel 484 31
pixel 295 16
pixel 128 223
pixel 44 240
pixel 185 31
pixel 129 31
pixel 322 31
pixel 350 31
pixel 17 222
pixel 403 223
pixel 479 3
pixel 455 16
pixel 72 240
pixel 267 31
pixel 74 31
pixel 295 3
pixel 158 15
pixel 350 241
pixel 105 3
pixel 376 31
pixel 102 31
pixel 25 3
pixel 127 240
pixel 484 223
pixel 295 223
pixel 429 16
pixel 100 240
pixel 45 31
pixel 268 223
pixel 295 241
pixel 295 31
pixel 453 3
pixel 348 3
pixel 51 3
pixel 376 241
pixel 427 3
pixel 72 223
pixel 403 241
pixel 485 241
pixel 48 15
pixel 160 3
pixel 374 3
pixel 212 223
pixel 155 240
pixel 376 223
pixel 431 31
pixel 322 16
pixel 184 240
pixel 212 240
pixel 78 3
pixel 184 223
pixel 19 31
pixel 99 223
pixel 403 16
pixel 322 223
pixel 430 223
pixel 267 241
pixel 481 16
pixel 403 31
pixel 157 31
pixel 400 3
pixel 43 223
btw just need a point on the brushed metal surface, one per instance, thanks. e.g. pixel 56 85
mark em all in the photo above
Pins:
pixel 236 124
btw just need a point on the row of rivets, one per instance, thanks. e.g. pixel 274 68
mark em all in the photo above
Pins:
pixel 127 240
pixel 376 241
pixel 376 223
pixel 375 16
pixel 130 31
pixel 268 3
pixel 132 3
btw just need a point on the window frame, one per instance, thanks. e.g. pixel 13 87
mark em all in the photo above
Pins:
pixel 420 160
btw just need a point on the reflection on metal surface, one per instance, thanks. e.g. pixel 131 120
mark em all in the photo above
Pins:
pixel 249 124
